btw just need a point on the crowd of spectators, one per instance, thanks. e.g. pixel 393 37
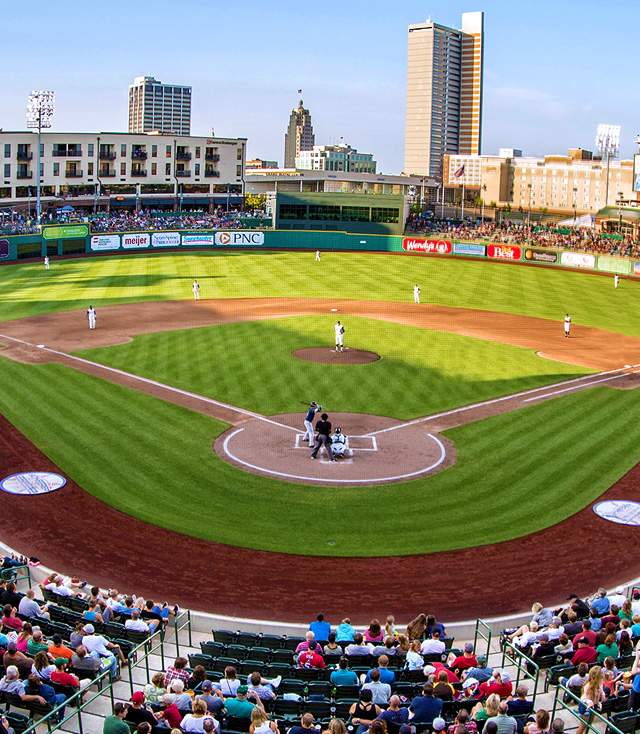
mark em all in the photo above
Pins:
pixel 517 233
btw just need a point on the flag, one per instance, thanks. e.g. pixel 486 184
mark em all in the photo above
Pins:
pixel 299 91
pixel 459 173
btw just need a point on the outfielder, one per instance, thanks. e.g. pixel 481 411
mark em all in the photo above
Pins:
pixel 339 330
pixel 317 256
pixel 616 280
pixel 567 326
pixel 91 317
pixel 416 293
pixel 46 263
pixel 340 445
pixel 196 290
pixel 308 422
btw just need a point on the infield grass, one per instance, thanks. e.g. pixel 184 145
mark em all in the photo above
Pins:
pixel 250 364
pixel 27 289
pixel 515 473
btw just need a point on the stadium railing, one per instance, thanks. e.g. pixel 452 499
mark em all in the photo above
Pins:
pixel 483 633
pixel 565 702
pixel 526 668
pixel 17 574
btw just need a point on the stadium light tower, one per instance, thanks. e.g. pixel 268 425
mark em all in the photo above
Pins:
pixel 40 109
pixel 608 144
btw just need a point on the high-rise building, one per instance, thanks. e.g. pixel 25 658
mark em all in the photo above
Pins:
pixel 157 106
pixel 444 93
pixel 299 135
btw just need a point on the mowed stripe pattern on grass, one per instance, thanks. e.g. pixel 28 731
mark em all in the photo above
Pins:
pixel 516 473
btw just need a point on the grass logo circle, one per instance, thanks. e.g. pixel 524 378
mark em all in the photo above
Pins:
pixel 622 512
pixel 32 482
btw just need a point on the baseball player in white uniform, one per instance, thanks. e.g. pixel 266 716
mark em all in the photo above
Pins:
pixel 91 317
pixel 310 435
pixel 339 330
pixel 340 445
pixel 317 256
pixel 196 290
pixel 416 293
pixel 567 326
pixel 616 280
pixel 46 263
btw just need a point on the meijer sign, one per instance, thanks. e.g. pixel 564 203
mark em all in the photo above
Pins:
pixel 132 241
pixel 243 239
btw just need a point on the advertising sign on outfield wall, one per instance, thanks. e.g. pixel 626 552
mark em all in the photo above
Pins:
pixel 135 241
pixel 611 264
pixel 241 239
pixel 504 252
pixel 165 239
pixel 105 242
pixel 540 256
pixel 65 231
pixel 435 247
pixel 578 260
pixel 636 268
pixel 464 248
pixel 197 239
pixel 4 249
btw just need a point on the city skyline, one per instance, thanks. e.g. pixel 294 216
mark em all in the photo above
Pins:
pixel 245 80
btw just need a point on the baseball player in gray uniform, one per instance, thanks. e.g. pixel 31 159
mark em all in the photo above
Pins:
pixel 308 422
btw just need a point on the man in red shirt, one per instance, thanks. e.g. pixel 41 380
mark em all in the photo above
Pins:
pixel 586 632
pixel 62 678
pixel 436 668
pixel 500 684
pixel 310 658
pixel 464 661
pixel 585 653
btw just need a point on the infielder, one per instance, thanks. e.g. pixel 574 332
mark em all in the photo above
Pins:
pixel 196 290
pixel 91 317
pixel 46 263
pixel 416 293
pixel 317 256
pixel 339 330
pixel 308 422
pixel 567 326
pixel 340 445
pixel 616 280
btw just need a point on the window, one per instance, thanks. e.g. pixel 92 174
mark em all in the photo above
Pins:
pixel 197 151
pixel 90 168
pixel 41 169
pixel 238 171
pixel 123 169
pixel 154 151
pixel 167 151
pixel 355 214
pixel 56 169
pixel 154 169
pixel 41 150
pixel 167 169
pixel 386 215
pixel 239 154
pixel 123 149
pixel 293 211
pixel 197 167
pixel 90 150
pixel 7 150
pixel 7 170
pixel 320 212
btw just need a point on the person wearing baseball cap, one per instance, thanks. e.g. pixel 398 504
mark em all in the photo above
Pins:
pixel 62 678
pixel 214 703
pixel 309 435
pixel 138 712
pixel 240 706
pixel 466 660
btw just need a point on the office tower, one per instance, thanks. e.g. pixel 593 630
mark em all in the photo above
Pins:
pixel 157 106
pixel 444 93
pixel 299 135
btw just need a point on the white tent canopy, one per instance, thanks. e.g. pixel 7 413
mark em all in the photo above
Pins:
pixel 584 220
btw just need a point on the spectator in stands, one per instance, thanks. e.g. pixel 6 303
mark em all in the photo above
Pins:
pixel 394 715
pixel 9 620
pixel 11 596
pixel 214 703
pixel 374 632
pixel 61 677
pixel 541 616
pixel 138 712
pixel 307 725
pixel 336 726
pixel 332 648
pixel 195 680
pixel 608 647
pixel 170 714
pixel 528 636
pixel 193 723
pixel 11 683
pixel 229 684
pixel 402 648
pixel 155 690
pixel 463 723
pixel 240 706
pixel 490 709
pixel 436 668
pixel 500 685
pixel 635 602
pixel 442 688
pixel 612 617
pixel 578 606
pixel 470 688
pixel 345 632
pixel 182 699
pixel 519 705
pixel 29 607
pixel 22 640
pixel 557 726
pixel 593 695
pixel 358 646
pixel 543 648
pixel 541 723
pixel 380 691
pixel 564 646
pixel 261 724
pixel 18 659
pixel 114 724
pixel 363 712
pixel 93 613
pixel 58 587
pixel 554 629
pixel 103 648
pixel 433 645
pixel 37 643
pixel 426 707
pixel 587 633
pixel 75 638
pixel 82 661
pixel 320 628
pixel 387 647
pixel 42 666
pixel 343 676
pixel 414 661
pixel 505 724
pixel 601 605
pixel 625 644
pixel 309 637
pixel 177 671
pixel 4 725
pixel 618 597
pixel 464 661
pixel 311 658
pixel 433 625
pixel 35 686
pixel 57 649
pixel 571 625
pixel 386 675
pixel 264 687
pixel 390 627
pixel 417 627
pixel 481 673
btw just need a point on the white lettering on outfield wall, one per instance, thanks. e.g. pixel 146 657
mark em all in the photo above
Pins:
pixel 105 242
pixel 165 239
pixel 132 241
pixel 578 260
pixel 242 239
pixel 197 239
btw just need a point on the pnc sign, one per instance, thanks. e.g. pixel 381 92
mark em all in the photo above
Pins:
pixel 240 238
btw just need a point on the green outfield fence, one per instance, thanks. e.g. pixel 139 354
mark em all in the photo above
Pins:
pixel 59 240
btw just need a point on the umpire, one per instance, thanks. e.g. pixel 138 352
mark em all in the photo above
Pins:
pixel 323 430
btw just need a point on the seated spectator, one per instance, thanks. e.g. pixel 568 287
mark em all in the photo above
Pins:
pixel 541 616
pixel 170 714
pixel 363 712
pixel 601 605
pixel 442 688
pixel 37 643
pixel 540 725
pixel 22 640
pixel 380 691
pixel 433 645
pixel 332 648
pixel 436 668
pixel 177 671
pixel 587 633
pixel 390 627
pixel 618 597
pixel 578 679
pixel 490 708
pixel 557 726
pixel 564 646
pixel 29 607
pixel 439 725
pixel 11 683
pixel 572 626
pixel 61 677
pixel 42 667
pixel 343 676
pixel 155 690
pixel 57 649
pixel 182 699
pixel 432 626
pixel 612 617
pixel 388 647
pixel 500 685
pixel 413 660
pixel 229 684
pixel 137 624
pixel 336 726
pixel 9 620
pixel 386 675
pixel 306 726
pixel 320 628
pixel 103 648
pixel 193 723
pixel 75 638
pixel 519 705
pixel 470 688
pixel 374 632
pixel 344 631
pixel 309 637
pixel 528 636
pixel 240 706
pixel 138 712
pixel 625 645
pixel 358 646
pixel 463 724
pixel 417 627
pixel 261 724
pixel 481 673
pixel 394 715
pixel 93 613
pixel 464 661
pixel 214 703
pixel 58 587
pixel 264 687
pixel 505 724
pixel 114 724
pixel 198 675
pixel 608 647
pixel 35 686
pixel 311 658
pixel 426 707
pixel 81 660
pixel 10 596
pixel 543 648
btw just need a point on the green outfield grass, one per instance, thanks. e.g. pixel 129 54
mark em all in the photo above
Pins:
pixel 250 364
pixel 515 473
pixel 27 289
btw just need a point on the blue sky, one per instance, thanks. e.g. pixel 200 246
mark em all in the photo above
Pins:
pixel 553 70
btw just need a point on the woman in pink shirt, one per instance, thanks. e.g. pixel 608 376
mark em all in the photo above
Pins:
pixel 374 633
pixel 22 641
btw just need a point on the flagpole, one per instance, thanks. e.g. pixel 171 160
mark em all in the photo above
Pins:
pixel 462 205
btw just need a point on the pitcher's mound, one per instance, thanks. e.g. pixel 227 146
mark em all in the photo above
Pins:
pixel 327 355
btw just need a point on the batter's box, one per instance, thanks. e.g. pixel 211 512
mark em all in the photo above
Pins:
pixel 356 443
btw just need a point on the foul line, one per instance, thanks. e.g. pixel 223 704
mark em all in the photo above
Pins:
pixel 155 383
pixel 330 480
pixel 578 387
pixel 514 396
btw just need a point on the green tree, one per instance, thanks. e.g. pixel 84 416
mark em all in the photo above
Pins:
pixel 255 201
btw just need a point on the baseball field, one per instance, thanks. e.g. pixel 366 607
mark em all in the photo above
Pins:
pixel 490 427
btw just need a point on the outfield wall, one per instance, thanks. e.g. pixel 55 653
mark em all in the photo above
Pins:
pixel 60 240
